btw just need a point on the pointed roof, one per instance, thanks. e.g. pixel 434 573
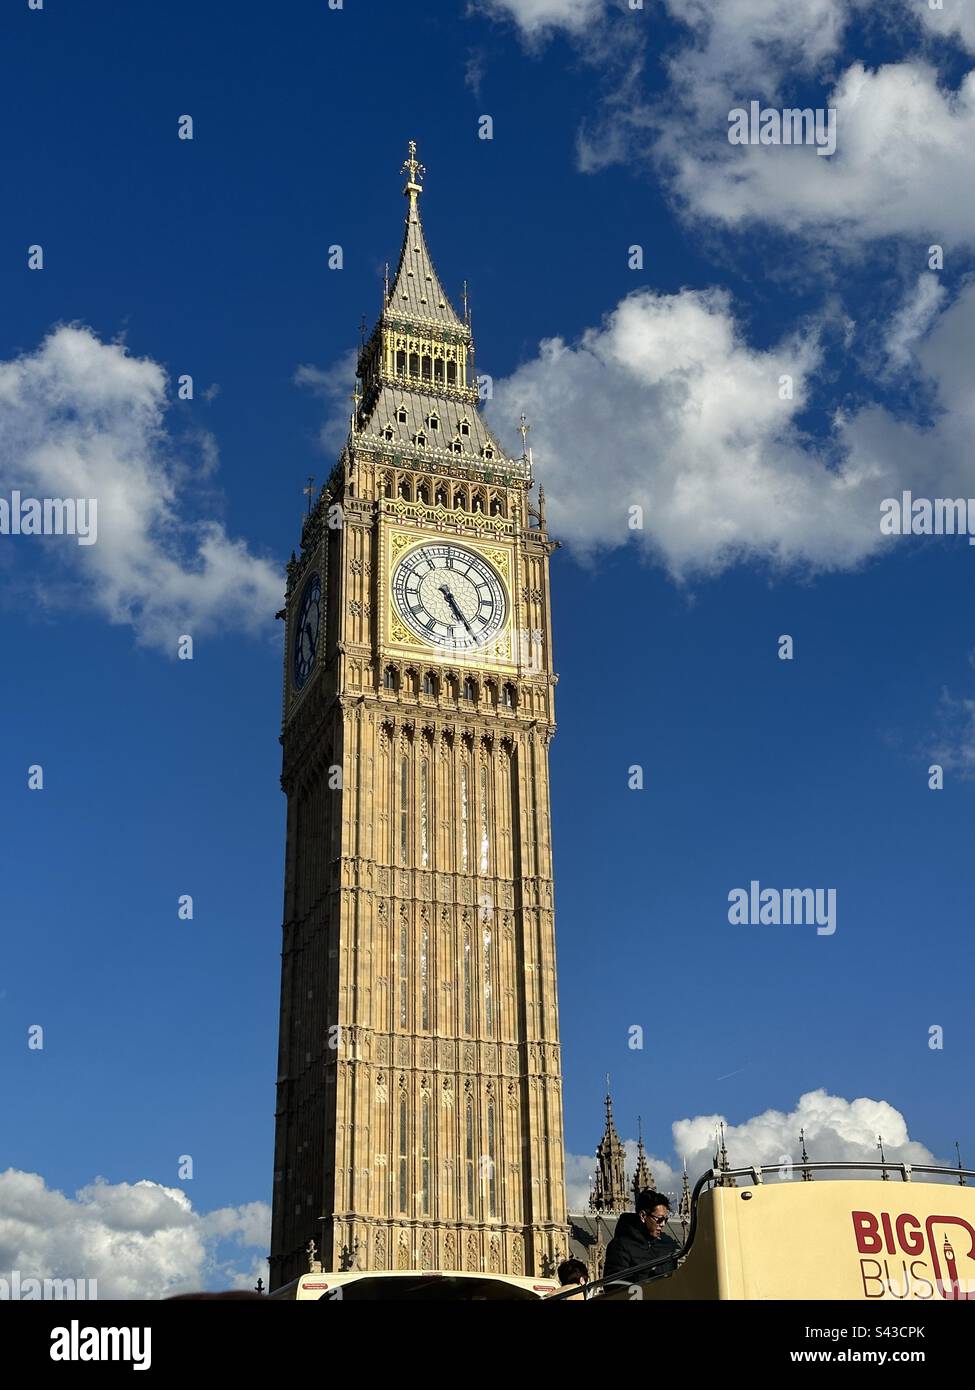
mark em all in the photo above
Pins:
pixel 416 292
pixel 722 1164
pixel 609 1188
pixel 642 1177
pixel 684 1210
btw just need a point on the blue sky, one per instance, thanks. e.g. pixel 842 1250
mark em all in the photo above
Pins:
pixel 656 387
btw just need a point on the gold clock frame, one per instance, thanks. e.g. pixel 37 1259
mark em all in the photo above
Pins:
pixel 397 636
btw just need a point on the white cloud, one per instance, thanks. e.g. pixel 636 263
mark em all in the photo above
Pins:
pixel 904 163
pixel 333 385
pixel 83 418
pixel 751 43
pixel 665 406
pixel 536 18
pixel 138 1240
pixel 953 747
pixel 955 20
pixel 836 1130
pixel 912 321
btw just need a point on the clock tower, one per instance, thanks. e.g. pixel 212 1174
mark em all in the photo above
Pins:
pixel 419 1104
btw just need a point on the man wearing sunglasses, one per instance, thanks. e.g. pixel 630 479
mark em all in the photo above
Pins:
pixel 642 1237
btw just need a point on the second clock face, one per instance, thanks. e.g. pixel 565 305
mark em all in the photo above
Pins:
pixel 449 596
pixel 306 631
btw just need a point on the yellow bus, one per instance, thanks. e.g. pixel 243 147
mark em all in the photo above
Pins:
pixel 847 1238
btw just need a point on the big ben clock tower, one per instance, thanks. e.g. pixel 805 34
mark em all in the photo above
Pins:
pixel 419 1105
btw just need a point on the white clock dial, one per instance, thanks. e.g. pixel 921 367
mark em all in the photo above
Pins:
pixel 449 596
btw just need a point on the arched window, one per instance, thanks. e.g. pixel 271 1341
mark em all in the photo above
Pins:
pixel 433 421
pixel 414 364
pixel 464 819
pixel 492 1166
pixel 483 799
pixel 451 373
pixel 488 452
pixel 404 974
pixel 470 690
pixel 508 697
pixel 420 440
pixel 424 812
pixel 429 683
pixel 389 678
pixel 465 427
pixel 404 810
pixel 401 415
pixel 438 369
pixel 424 977
pixel 425 1145
pixel 468 984
pixel 388 433
pixel 426 367
pixel 470 1160
pixel 422 493
pixel 387 485
pixel 401 363
pixel 487 946
pixel 457 447
pixel 404 489
pixel 441 497
pixel 403 1152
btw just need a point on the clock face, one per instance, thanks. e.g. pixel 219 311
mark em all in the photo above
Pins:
pixel 305 641
pixel 449 596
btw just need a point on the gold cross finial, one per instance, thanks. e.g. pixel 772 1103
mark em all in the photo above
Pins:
pixel 413 167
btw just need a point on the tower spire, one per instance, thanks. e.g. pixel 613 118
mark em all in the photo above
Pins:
pixel 806 1175
pixel 642 1177
pixel 684 1210
pixel 416 294
pixel 721 1162
pixel 609 1194
pixel 961 1174
pixel 416 171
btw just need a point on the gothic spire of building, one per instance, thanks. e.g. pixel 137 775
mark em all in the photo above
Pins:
pixel 642 1177
pixel 684 1208
pixel 609 1194
pixel 806 1174
pixel 884 1175
pixel 961 1173
pixel 721 1162
pixel 417 292
pixel 419 393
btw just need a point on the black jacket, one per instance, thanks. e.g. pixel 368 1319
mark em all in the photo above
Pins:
pixel 633 1245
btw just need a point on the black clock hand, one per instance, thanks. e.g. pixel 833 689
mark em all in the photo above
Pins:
pixel 453 603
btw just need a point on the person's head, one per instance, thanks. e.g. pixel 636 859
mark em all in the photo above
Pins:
pixel 652 1210
pixel 573 1272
